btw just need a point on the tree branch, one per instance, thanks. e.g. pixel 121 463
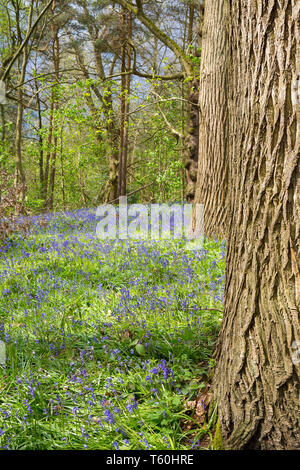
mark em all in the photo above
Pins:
pixel 26 40
pixel 175 76
pixel 177 134
pixel 174 98
pixel 138 12
pixel 37 77
pixel 139 5
pixel 133 192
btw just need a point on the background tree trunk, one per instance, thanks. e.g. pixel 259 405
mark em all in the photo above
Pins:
pixel 41 150
pixel 256 381
pixel 20 179
pixel 49 144
pixel 191 140
pixel 191 136
pixel 56 63
pixel 213 118
pixel 125 96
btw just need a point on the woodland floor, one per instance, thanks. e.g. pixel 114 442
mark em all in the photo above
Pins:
pixel 109 343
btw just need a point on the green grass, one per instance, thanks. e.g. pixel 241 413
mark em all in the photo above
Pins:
pixel 105 341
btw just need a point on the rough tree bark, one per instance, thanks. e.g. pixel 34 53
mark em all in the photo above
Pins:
pixel 191 140
pixel 256 381
pixel 191 135
pixel 20 178
pixel 213 118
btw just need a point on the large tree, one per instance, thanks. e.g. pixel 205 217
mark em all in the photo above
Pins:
pixel 256 381
pixel 212 179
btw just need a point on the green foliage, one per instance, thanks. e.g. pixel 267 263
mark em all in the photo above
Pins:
pixel 83 148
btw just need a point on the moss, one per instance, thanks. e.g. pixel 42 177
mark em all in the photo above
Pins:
pixel 218 439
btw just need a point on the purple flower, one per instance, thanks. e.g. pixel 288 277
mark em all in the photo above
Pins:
pixel 109 417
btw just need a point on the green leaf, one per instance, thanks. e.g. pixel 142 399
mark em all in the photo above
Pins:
pixel 140 349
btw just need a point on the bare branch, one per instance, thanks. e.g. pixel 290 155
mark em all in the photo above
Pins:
pixel 37 77
pixel 180 54
pixel 26 40
pixel 177 134
pixel 133 192
pixel 173 98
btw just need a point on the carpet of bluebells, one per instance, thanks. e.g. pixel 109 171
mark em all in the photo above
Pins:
pixel 106 339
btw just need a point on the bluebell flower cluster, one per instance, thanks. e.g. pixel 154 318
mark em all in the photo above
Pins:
pixel 105 339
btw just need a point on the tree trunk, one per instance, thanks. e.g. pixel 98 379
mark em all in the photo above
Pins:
pixel 20 174
pixel 3 122
pixel 191 136
pixel 125 94
pixel 213 118
pixel 122 176
pixel 191 140
pixel 256 382
pixel 48 156
pixel 192 133
pixel 22 66
pixel 110 192
pixel 50 168
pixel 41 150
pixel 62 168
pixel 56 63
